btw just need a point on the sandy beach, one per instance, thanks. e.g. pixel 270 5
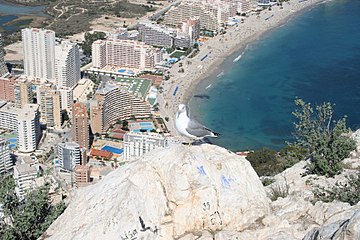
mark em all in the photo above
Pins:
pixel 217 50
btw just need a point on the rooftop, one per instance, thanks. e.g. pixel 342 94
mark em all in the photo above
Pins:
pixel 135 85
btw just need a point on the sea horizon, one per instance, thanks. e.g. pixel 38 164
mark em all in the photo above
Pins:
pixel 249 99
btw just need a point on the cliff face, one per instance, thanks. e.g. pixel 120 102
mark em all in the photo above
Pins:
pixel 198 192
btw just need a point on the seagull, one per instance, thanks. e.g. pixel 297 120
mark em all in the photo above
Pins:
pixel 190 127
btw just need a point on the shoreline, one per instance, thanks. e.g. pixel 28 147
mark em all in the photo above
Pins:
pixel 220 49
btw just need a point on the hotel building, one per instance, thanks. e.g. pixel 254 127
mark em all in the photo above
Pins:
pixel 137 144
pixel 124 53
pixel 111 103
pixel 80 125
pixel 39 53
pixel 67 64
pixel 6 163
pixel 3 68
pixel 50 105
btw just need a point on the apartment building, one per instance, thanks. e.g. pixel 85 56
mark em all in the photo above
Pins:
pixel 7 88
pixel 181 13
pixel 124 53
pixel 82 175
pixel 24 176
pixel 80 125
pixel 191 27
pixel 28 129
pixel 39 53
pixel 23 120
pixel 6 164
pixel 112 102
pixel 137 144
pixel 70 155
pixel 156 35
pixel 50 105
pixel 67 64
pixel 3 68
pixel 66 97
pixel 22 92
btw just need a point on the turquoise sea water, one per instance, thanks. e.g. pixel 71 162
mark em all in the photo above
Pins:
pixel 315 56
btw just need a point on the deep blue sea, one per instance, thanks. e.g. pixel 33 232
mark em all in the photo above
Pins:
pixel 315 56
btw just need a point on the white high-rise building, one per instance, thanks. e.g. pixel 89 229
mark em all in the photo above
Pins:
pixel 39 53
pixel 28 128
pixel 3 68
pixel 67 64
pixel 69 154
pixel 137 144
pixel 6 163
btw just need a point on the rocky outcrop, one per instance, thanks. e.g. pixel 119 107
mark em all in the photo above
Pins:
pixel 348 229
pixel 168 194
pixel 203 193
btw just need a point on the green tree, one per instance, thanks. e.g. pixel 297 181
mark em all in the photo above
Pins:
pixel 28 218
pixel 323 138
pixel 265 162
pixel 89 38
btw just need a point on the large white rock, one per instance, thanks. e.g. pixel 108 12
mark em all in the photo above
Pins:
pixel 181 192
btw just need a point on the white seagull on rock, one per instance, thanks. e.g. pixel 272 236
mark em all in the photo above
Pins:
pixel 190 127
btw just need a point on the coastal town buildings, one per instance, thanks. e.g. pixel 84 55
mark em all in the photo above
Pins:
pixel 3 68
pixel 50 105
pixel 82 175
pixel 7 88
pixel 156 35
pixel 66 97
pixel 112 102
pixel 83 90
pixel 80 125
pixel 181 13
pixel 28 130
pixel 39 53
pixel 67 64
pixel 22 92
pixel 124 53
pixel 6 164
pixel 69 154
pixel 24 176
pixel 137 144
pixel 25 121
pixel 191 27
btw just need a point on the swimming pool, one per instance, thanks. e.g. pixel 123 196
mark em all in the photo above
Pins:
pixel 145 124
pixel 12 140
pixel 113 149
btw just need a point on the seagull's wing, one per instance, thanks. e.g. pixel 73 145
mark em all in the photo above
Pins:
pixel 197 129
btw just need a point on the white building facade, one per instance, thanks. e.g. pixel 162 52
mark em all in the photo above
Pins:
pixel 29 132
pixel 67 64
pixel 69 154
pixel 6 163
pixel 39 53
pixel 137 144
pixel 24 176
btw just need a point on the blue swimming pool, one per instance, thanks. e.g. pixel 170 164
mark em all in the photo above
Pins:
pixel 12 145
pixel 113 149
pixel 12 140
pixel 145 124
